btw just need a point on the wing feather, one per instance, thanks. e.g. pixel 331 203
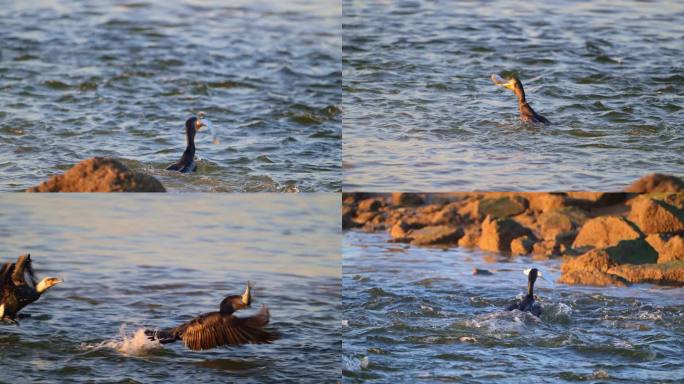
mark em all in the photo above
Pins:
pixel 217 329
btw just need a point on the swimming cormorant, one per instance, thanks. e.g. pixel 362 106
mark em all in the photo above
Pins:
pixel 19 287
pixel 187 161
pixel 527 303
pixel 215 329
pixel 527 114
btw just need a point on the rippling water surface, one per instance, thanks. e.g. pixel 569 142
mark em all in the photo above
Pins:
pixel 140 262
pixel 420 112
pixel 111 78
pixel 419 314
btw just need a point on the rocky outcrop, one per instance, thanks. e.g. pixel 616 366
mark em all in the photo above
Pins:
pixel 497 234
pixel 668 248
pixel 657 183
pixel 653 216
pixel 671 273
pixel 605 231
pixel 100 175
pixel 435 235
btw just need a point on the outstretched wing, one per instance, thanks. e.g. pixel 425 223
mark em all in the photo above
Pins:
pixel 5 278
pixel 216 329
pixel 23 271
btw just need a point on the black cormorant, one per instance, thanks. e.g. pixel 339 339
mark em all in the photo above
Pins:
pixel 187 161
pixel 19 287
pixel 215 329
pixel 527 303
pixel 527 114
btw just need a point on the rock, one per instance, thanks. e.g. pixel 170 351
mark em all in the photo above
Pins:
pixel 497 234
pixel 669 249
pixel 654 216
pixel 370 205
pixel 399 232
pixel 595 278
pixel 656 183
pixel 502 207
pixel 347 217
pixel 470 237
pixel 407 199
pixel 470 210
pixel 594 260
pixel 636 251
pixel 522 245
pixel 545 248
pixel 436 235
pixel 596 199
pixel 100 174
pixel 482 272
pixel 556 222
pixel 364 217
pixel 670 273
pixel 544 202
pixel 447 215
pixel 590 268
pixel 605 231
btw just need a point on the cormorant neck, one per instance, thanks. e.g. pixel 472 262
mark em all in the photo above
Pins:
pixel 530 288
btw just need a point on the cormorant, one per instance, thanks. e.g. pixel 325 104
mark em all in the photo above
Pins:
pixel 187 161
pixel 19 287
pixel 527 303
pixel 527 114
pixel 215 329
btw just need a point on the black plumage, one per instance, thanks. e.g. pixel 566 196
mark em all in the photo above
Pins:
pixel 528 303
pixel 526 113
pixel 187 160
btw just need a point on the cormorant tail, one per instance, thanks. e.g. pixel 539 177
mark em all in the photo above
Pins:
pixel 164 336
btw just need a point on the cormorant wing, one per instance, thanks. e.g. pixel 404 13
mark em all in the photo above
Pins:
pixel 216 329
pixel 23 271
pixel 5 275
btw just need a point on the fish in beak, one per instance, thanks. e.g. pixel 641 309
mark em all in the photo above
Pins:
pixel 206 123
pixel 247 296
pixel 506 83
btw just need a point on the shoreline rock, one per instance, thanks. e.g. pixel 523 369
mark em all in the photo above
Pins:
pixel 100 174
pixel 604 238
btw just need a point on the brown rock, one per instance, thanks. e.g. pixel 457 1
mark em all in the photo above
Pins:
pixel 502 207
pixel 605 231
pixel 436 235
pixel 595 278
pixel 347 217
pixel 522 245
pixel 497 234
pixel 370 205
pixel 556 222
pixel 671 249
pixel 470 237
pixel 636 251
pixel 399 231
pixel 364 217
pixel 671 273
pixel 657 183
pixel 447 215
pixel 654 216
pixel 543 202
pixel 100 175
pixel 594 260
pixel 407 199
pixel 545 248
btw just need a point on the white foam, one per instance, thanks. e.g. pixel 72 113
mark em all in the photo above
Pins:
pixel 135 343
pixel 354 364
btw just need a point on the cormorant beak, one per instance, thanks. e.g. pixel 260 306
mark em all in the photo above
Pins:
pixel 2 311
pixel 497 80
pixel 247 296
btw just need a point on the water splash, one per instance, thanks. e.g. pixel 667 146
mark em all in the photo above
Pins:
pixel 134 344
pixel 353 364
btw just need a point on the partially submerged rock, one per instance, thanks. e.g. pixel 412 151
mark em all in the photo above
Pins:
pixel 100 175
pixel 436 235
pixel 497 234
pixel 670 273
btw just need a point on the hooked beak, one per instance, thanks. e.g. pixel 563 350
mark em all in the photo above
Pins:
pixel 247 296
pixel 497 80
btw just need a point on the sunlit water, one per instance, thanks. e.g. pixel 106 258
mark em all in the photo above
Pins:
pixel 133 262
pixel 421 113
pixel 418 314
pixel 81 79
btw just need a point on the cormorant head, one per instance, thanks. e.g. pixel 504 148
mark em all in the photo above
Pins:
pixel 532 276
pixel 512 83
pixel 48 283
pixel 193 125
pixel 236 302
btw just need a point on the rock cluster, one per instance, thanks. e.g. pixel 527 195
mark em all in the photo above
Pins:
pixel 603 238
pixel 100 175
